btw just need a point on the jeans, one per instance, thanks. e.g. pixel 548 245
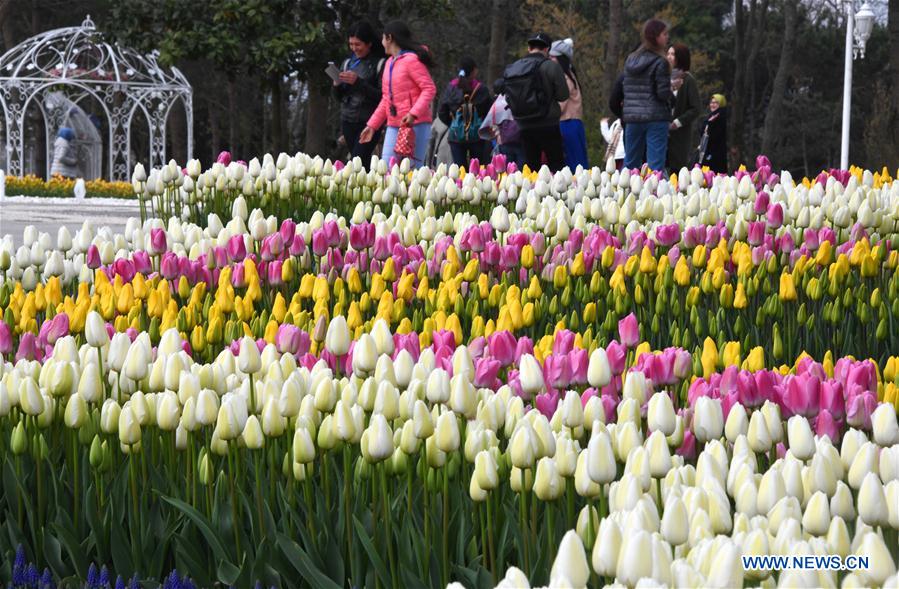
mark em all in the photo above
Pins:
pixel 422 134
pixel 351 132
pixel 574 138
pixel 544 140
pixel 650 139
pixel 463 153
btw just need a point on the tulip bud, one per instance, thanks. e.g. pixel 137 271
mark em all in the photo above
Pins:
pixel 76 411
pixel 708 421
pixel 660 414
pixel 800 437
pixel 547 482
pixel 571 561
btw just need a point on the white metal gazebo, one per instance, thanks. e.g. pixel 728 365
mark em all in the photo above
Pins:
pixel 79 63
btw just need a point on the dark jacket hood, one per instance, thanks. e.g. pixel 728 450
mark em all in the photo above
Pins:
pixel 640 61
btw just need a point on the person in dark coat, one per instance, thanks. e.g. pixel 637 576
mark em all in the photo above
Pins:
pixel 541 134
pixel 359 87
pixel 682 139
pixel 451 109
pixel 647 99
pixel 715 125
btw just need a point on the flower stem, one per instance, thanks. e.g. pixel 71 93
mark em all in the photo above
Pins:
pixel 388 519
pixel 347 510
pixel 445 526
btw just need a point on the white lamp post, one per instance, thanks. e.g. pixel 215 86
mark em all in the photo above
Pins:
pixel 858 31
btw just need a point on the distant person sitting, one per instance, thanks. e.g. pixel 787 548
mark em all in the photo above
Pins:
pixel 534 86
pixel 65 159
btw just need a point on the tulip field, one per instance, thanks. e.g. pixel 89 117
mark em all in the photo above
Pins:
pixel 305 373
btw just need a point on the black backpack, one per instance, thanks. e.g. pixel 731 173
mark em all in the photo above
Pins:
pixel 524 89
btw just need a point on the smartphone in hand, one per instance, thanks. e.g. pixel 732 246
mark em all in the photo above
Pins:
pixel 332 71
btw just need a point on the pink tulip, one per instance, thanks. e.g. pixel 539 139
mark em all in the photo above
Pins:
pixel 288 338
pixel 683 364
pixel 54 329
pixel 238 276
pixel 827 234
pixel 357 237
pixel 831 399
pixel 237 248
pixel 29 349
pixel 616 354
pixel 485 373
pixel 802 395
pixel 756 232
pixel 524 346
pixel 694 236
pixel 546 403
pixel 124 268
pixel 93 257
pixel 827 425
pixel 556 371
pixel 224 158
pixel 287 230
pixel 501 345
pixel 141 262
pixel 859 408
pixel 629 331
pixel 563 342
pixel 273 272
pixel 688 447
pixel 775 215
pixel 6 345
pixel 319 243
pixel 580 361
pixel 332 233
pixel 444 338
pixel 158 242
pixel 169 266
pixel 761 203
pixel 272 246
pixel 408 342
pixel 668 235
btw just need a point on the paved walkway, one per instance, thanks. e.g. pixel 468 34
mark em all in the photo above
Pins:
pixel 49 214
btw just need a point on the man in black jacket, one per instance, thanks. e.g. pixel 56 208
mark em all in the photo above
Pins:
pixel 534 86
pixel 647 99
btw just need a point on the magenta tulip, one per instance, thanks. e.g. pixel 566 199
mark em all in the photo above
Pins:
pixel 92 259
pixel 237 248
pixel 158 243
pixel 629 331
pixel 6 344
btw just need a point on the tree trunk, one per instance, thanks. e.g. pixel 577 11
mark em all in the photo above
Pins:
pixel 739 89
pixel 277 131
pixel 317 116
pixel 893 28
pixel 7 26
pixel 757 32
pixel 215 141
pixel 497 52
pixel 778 93
pixel 613 46
pixel 232 115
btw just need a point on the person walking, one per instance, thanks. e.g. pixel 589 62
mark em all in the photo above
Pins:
pixel 406 94
pixel 682 130
pixel 571 124
pixel 647 99
pixel 65 158
pixel 358 87
pixel 500 126
pixel 534 86
pixel 463 107
pixel 713 147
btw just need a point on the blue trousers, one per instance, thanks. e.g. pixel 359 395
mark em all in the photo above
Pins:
pixel 422 135
pixel 574 140
pixel 650 139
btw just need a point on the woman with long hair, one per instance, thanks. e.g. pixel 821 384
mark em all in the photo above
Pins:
pixel 406 94
pixel 359 87
pixel 463 108
pixel 682 129
pixel 647 99
pixel 571 124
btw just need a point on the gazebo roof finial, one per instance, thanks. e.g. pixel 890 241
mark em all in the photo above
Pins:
pixel 88 23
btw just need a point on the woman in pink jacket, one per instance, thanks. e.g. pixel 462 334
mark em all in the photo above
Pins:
pixel 406 93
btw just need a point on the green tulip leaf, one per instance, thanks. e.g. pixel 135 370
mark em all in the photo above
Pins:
pixel 53 554
pixel 380 567
pixel 303 565
pixel 198 520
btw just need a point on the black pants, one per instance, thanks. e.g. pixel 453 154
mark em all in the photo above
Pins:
pixel 546 140
pixel 463 153
pixel 351 132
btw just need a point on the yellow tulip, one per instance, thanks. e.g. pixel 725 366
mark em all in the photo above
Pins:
pixel 354 281
pixel 740 301
pixel 483 286
pixel 682 272
pixel 787 290
pixel 197 339
pixel 271 330
pixel 699 256
pixel 647 261
pixel 608 256
pixel 578 267
pixel 709 358
pixel 755 361
pixel 527 256
pixel 560 276
pixel 731 354
pixel 825 254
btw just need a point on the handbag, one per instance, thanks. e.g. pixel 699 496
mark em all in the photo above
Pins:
pixel 699 154
pixel 405 142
